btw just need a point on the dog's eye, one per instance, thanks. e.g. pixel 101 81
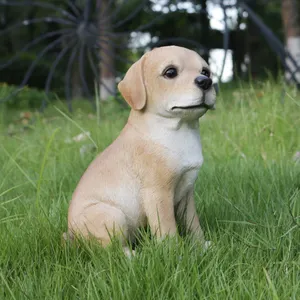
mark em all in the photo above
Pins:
pixel 205 72
pixel 170 73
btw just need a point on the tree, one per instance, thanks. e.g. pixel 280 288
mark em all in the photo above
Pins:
pixel 106 64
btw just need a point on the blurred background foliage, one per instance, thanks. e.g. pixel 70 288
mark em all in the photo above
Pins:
pixel 201 21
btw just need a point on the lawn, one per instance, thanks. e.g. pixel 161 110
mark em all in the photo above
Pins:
pixel 247 193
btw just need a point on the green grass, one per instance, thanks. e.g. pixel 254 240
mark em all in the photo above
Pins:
pixel 248 198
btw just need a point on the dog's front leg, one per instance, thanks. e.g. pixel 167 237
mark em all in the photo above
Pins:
pixel 159 209
pixel 187 212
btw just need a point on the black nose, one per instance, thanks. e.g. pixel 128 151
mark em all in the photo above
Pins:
pixel 203 82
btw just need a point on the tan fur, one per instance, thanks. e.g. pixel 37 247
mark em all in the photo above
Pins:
pixel 153 164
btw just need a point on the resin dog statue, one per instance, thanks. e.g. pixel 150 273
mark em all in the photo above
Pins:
pixel 147 175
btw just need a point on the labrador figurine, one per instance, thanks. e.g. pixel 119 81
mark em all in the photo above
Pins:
pixel 147 175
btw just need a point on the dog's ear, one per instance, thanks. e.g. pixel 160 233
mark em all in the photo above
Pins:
pixel 132 87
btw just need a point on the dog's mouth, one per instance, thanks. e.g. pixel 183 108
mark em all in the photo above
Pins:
pixel 199 106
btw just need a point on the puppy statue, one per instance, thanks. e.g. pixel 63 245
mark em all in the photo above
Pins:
pixel 147 175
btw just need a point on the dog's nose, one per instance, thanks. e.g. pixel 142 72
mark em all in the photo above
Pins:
pixel 203 82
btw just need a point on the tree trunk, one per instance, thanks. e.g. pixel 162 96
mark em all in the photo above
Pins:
pixel 205 30
pixel 106 65
pixel 291 24
pixel 238 42
pixel 77 91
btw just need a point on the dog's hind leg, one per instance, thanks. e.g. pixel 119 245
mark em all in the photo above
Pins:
pixel 103 222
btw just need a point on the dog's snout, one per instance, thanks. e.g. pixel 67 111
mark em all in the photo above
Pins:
pixel 203 82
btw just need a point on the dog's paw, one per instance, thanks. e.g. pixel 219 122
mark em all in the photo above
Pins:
pixel 207 245
pixel 129 253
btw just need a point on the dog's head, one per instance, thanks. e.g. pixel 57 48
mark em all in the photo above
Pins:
pixel 170 81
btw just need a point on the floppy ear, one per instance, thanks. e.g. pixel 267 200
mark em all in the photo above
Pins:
pixel 132 86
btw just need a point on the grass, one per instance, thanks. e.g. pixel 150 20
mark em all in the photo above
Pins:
pixel 247 195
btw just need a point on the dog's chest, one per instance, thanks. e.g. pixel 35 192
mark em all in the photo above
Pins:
pixel 185 157
pixel 185 149
pixel 187 170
